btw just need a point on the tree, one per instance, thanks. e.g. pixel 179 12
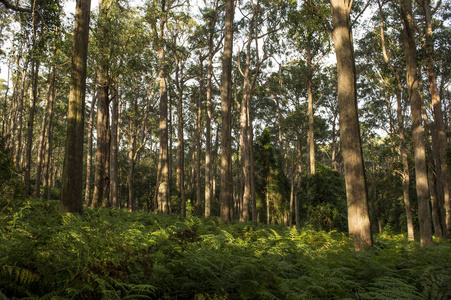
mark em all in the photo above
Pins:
pixel 356 190
pixel 72 179
pixel 226 106
pixel 422 188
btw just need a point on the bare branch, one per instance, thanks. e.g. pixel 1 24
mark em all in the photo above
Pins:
pixel 15 8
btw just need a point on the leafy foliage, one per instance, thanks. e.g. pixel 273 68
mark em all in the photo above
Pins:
pixel 114 254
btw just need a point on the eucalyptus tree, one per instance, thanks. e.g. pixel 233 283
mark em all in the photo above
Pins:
pixel 310 37
pixel 72 179
pixel 441 165
pixel 422 188
pixel 226 106
pixel 159 15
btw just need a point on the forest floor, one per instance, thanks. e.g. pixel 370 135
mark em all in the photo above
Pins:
pixel 114 254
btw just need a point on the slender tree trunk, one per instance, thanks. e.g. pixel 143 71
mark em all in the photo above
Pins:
pixel 311 128
pixel 198 136
pixel 402 147
pixel 19 130
pixel 49 147
pixel 226 107
pixel 163 183
pixel 299 171
pixel 101 178
pixel 180 136
pixel 72 181
pixel 438 116
pixel 89 155
pixel 422 188
pixel 30 125
pixel 103 116
pixel 114 149
pixel 41 147
pixel 131 163
pixel 208 177
pixel 356 190
pixel 5 105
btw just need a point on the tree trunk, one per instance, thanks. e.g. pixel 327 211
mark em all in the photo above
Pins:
pixel 30 125
pixel 402 146
pixel 226 107
pixel 180 136
pixel 208 177
pixel 198 137
pixel 422 188
pixel 438 116
pixel 114 149
pixel 163 182
pixel 72 180
pixel 356 190
pixel 19 130
pixel 311 128
pixel 49 147
pixel 101 178
pixel 41 147
pixel 89 155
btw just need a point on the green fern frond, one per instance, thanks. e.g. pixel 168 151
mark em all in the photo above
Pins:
pixel 21 275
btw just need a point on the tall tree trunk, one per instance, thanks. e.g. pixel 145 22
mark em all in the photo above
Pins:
pixel 422 188
pixel 89 155
pixel 311 128
pixel 101 178
pixel 30 125
pixel 299 174
pixel 226 107
pixel 163 182
pixel 402 146
pixel 5 105
pixel 19 129
pixel 208 177
pixel 198 136
pixel 438 116
pixel 356 190
pixel 49 147
pixel 41 147
pixel 180 137
pixel 72 180
pixel 114 149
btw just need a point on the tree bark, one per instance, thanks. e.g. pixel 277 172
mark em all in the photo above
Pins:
pixel 114 149
pixel 30 125
pixel 422 188
pixel 163 183
pixel 438 116
pixel 356 189
pixel 402 146
pixel 72 180
pixel 89 155
pixel 41 147
pixel 101 178
pixel 226 107
pixel 311 128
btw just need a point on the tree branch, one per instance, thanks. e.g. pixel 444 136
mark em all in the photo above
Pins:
pixel 15 8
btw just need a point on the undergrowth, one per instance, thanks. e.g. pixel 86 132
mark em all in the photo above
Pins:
pixel 113 254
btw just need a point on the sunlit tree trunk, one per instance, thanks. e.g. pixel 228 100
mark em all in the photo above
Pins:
pixel 226 107
pixel 208 167
pixel 163 181
pixel 438 116
pixel 180 136
pixel 356 190
pixel 72 179
pixel 402 146
pixel 422 188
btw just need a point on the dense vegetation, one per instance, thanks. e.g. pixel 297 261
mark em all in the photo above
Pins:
pixel 114 254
